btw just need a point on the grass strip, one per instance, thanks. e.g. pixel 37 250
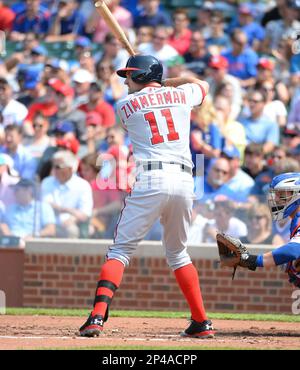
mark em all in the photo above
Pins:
pixel 152 314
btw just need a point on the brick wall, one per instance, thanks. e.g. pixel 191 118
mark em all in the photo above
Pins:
pixel 69 280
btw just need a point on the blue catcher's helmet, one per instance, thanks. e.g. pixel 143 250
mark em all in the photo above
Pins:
pixel 284 195
pixel 144 69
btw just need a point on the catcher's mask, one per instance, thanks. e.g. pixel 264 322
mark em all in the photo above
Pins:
pixel 284 195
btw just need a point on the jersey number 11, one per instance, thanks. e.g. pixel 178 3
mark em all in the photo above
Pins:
pixel 157 138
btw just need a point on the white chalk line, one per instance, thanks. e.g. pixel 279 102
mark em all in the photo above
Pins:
pixel 99 338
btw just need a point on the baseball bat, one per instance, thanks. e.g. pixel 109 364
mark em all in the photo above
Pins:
pixel 113 25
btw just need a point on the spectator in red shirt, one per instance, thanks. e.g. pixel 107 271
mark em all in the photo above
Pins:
pixel 96 103
pixel 65 136
pixel 46 106
pixel 7 17
pixel 181 36
pixel 64 96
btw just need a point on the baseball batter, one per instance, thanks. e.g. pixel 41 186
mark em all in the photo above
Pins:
pixel 156 115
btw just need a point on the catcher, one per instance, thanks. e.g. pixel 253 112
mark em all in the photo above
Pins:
pixel 284 201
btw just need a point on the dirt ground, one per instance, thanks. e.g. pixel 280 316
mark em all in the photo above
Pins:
pixel 37 332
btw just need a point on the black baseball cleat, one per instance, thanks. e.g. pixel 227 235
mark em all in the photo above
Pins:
pixel 202 330
pixel 92 327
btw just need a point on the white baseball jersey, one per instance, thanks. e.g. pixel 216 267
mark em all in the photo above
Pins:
pixel 158 122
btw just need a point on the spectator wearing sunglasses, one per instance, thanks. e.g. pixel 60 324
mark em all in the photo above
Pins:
pixel 274 109
pixel 40 141
pixel 259 225
pixel 260 129
pixel 274 167
pixel 68 194
pixel 215 183
pixel 242 59
pixel 159 47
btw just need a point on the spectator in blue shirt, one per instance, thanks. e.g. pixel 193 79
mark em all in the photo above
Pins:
pixel 242 59
pixel 152 16
pixel 245 21
pixel 216 182
pixel 218 38
pixel 240 182
pixel 69 195
pixel 134 6
pixel 24 164
pixel 33 18
pixel 66 23
pixel 295 62
pixel 28 217
pixel 38 57
pixel 260 129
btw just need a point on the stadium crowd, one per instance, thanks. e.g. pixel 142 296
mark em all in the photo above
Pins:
pixel 66 163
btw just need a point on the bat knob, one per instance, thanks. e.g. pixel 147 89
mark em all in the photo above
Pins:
pixel 99 3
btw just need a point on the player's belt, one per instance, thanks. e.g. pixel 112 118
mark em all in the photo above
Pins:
pixel 159 165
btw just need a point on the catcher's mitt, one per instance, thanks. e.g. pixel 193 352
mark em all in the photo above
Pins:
pixel 233 253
